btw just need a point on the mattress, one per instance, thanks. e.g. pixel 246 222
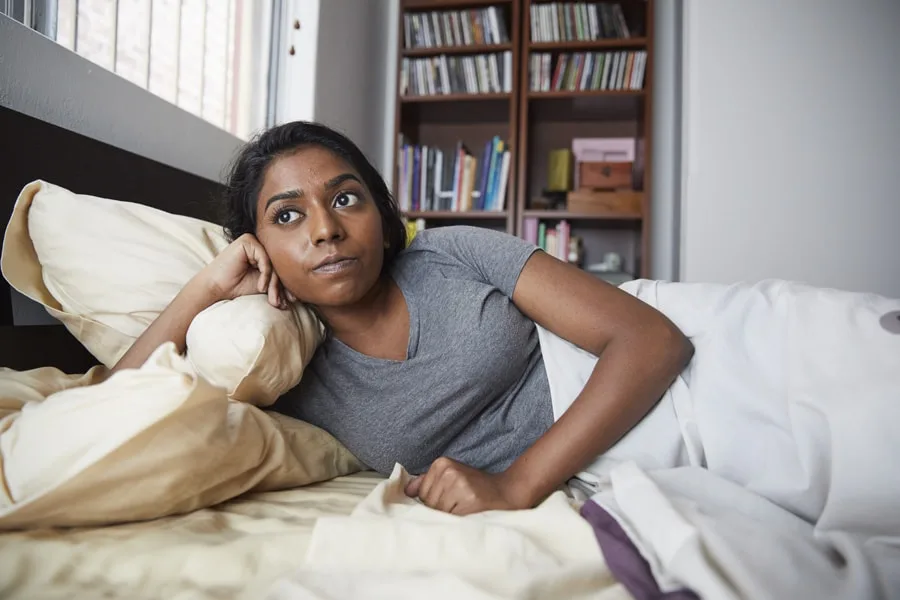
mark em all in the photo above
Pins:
pixel 234 550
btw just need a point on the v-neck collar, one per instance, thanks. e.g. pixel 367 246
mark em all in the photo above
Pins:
pixel 412 344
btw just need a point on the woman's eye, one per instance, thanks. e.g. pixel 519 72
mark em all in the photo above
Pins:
pixel 287 216
pixel 345 199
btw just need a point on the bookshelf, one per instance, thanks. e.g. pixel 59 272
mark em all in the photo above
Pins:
pixel 589 107
pixel 458 90
pixel 539 110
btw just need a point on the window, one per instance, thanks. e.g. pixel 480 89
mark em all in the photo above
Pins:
pixel 209 57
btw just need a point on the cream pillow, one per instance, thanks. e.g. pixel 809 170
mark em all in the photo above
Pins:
pixel 253 350
pixel 107 268
pixel 144 443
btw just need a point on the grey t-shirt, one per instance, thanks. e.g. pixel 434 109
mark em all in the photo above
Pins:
pixel 473 386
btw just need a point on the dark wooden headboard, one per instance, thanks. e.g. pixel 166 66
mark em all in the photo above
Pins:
pixel 33 149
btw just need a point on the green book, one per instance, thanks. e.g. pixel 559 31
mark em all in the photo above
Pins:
pixel 559 171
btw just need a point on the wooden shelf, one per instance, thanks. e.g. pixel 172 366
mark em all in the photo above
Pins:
pixel 447 4
pixel 564 214
pixel 583 93
pixel 533 123
pixel 576 45
pixel 470 49
pixel 459 215
pixel 455 98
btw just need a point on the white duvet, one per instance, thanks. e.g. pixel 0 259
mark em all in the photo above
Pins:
pixel 768 470
pixel 771 468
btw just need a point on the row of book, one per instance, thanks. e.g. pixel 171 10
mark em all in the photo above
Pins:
pixel 433 178
pixel 438 29
pixel 577 21
pixel 476 74
pixel 553 240
pixel 580 71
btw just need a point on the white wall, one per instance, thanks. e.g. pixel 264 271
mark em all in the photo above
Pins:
pixel 665 185
pixel 341 73
pixel 352 70
pixel 791 138
pixel 42 79
pixel 297 72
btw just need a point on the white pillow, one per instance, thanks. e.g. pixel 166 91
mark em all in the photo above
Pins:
pixel 107 268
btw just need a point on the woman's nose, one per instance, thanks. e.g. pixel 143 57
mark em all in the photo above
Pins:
pixel 325 226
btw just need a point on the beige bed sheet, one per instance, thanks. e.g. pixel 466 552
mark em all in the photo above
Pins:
pixel 235 550
pixel 394 547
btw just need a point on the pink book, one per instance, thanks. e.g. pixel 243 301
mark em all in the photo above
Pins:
pixel 531 230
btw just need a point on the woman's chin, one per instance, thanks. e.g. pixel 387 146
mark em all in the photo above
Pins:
pixel 336 295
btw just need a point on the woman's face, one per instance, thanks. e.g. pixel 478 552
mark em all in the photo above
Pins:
pixel 320 227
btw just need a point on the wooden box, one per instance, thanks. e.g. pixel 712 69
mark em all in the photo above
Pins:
pixel 605 175
pixel 625 202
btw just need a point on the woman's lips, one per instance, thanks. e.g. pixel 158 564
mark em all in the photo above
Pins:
pixel 338 266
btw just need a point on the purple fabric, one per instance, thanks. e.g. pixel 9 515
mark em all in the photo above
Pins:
pixel 624 559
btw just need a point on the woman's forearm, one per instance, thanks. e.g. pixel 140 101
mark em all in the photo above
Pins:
pixel 630 376
pixel 171 325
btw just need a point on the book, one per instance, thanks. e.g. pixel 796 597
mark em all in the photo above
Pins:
pixel 432 178
pixel 587 71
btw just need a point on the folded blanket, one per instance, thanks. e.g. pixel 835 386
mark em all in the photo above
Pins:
pixel 394 546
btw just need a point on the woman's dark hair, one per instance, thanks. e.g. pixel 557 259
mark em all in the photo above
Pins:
pixel 245 179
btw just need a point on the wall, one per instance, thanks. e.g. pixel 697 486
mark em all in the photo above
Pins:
pixel 341 73
pixel 665 183
pixel 790 143
pixel 42 79
pixel 297 72
pixel 349 83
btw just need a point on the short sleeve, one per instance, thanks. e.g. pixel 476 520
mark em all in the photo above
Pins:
pixel 496 257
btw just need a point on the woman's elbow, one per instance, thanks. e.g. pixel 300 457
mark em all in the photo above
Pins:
pixel 678 347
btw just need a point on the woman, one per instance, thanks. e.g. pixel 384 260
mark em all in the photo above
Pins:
pixel 432 358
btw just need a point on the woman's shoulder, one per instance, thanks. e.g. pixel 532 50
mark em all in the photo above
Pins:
pixel 455 238
pixel 488 255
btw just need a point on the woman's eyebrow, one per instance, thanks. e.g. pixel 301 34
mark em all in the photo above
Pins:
pixel 336 181
pixel 288 195
pixel 296 194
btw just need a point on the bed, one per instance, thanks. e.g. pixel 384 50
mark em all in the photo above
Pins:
pixel 699 525
pixel 232 550
pixel 243 546
pixel 33 149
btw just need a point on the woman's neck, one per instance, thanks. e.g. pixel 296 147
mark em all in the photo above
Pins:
pixel 372 313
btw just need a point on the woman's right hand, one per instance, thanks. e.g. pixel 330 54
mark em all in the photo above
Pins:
pixel 241 269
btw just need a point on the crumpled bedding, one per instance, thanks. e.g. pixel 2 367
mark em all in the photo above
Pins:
pixel 232 551
pixel 395 547
pixel 779 478
pixel 768 471
pixel 142 444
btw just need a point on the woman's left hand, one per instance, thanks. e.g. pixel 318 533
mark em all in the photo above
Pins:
pixel 453 487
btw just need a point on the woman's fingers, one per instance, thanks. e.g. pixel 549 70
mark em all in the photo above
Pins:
pixel 257 257
pixel 414 485
pixel 436 482
pixel 267 281
pixel 275 292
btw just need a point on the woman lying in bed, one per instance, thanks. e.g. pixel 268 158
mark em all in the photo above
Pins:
pixel 432 358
